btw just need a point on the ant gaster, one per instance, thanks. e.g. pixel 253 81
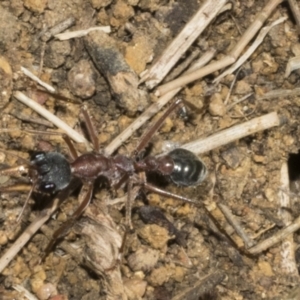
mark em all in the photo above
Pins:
pixel 51 172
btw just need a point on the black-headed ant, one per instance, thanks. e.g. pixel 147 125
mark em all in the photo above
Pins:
pixel 51 172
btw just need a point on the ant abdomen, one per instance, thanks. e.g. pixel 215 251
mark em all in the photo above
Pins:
pixel 188 169
pixel 53 171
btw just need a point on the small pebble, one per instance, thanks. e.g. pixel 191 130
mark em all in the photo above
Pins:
pixel 135 288
pixel 100 3
pixel 124 122
pixel 216 105
pixel 167 126
pixel 81 79
pixel 160 275
pixel 3 238
pixel 46 291
pixel 144 259
pixel 56 53
pixel 122 11
pixel 155 235
pixel 242 88
pixel 37 6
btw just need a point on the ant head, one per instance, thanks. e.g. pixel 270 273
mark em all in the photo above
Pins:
pixel 53 172
pixel 188 168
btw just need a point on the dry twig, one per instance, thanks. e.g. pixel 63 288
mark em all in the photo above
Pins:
pixel 80 33
pixel 279 94
pixel 233 133
pixel 236 225
pixel 296 12
pixel 62 26
pixel 52 118
pixel 288 262
pixel 47 86
pixel 182 42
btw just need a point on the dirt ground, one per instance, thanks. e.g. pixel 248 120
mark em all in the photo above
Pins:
pixel 196 260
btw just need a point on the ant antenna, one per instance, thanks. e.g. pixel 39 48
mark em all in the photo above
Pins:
pixel 26 202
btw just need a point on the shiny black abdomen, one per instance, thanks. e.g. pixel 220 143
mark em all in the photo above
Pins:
pixel 188 168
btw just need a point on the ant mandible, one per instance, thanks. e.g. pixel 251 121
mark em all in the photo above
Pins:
pixel 51 172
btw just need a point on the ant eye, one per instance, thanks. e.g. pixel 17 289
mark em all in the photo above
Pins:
pixel 47 187
pixel 39 160
pixel 38 157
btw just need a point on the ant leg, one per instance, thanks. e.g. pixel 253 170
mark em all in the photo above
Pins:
pixel 148 135
pixel 15 171
pixel 16 188
pixel 26 202
pixel 129 205
pixel 72 149
pixel 161 192
pixel 90 128
pixel 63 230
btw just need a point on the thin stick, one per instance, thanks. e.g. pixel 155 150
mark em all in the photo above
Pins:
pixel 47 86
pixel 52 118
pixel 183 66
pixel 24 292
pixel 229 59
pixel 31 119
pixel 280 93
pixel 32 131
pixel 80 33
pixel 154 108
pixel 62 26
pixel 292 65
pixel 231 87
pixel 276 238
pixel 236 225
pixel 182 42
pixel 233 133
pixel 26 201
pixel 288 263
pixel 296 12
pixel 229 107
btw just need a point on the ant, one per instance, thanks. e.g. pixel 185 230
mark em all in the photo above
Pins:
pixel 51 172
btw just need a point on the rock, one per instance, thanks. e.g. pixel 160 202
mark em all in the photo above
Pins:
pixel 135 288
pixel 100 3
pixel 46 291
pixel 139 53
pixel 81 79
pixel 216 105
pixel 155 235
pixel 37 6
pixel 56 53
pixel 144 259
pixel 160 275
pixel 242 88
